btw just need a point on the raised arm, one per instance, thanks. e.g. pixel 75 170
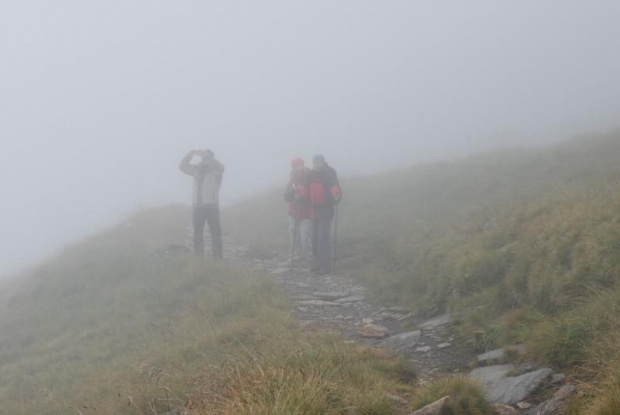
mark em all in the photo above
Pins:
pixel 185 165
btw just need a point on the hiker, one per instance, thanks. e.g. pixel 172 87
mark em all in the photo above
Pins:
pixel 325 194
pixel 207 174
pixel 297 195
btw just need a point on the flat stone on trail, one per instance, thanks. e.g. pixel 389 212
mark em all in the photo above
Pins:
pixel 436 322
pixel 444 345
pixel 351 299
pixel 374 331
pixel 509 390
pixel 403 341
pixel 318 303
pixel 331 295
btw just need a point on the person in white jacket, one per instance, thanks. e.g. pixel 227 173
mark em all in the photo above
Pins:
pixel 207 175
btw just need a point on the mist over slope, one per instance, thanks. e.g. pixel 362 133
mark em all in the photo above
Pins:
pixel 117 324
pixel 532 236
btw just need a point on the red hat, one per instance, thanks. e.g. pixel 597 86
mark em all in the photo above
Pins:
pixel 297 162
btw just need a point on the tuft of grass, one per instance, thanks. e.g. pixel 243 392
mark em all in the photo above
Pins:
pixel 466 396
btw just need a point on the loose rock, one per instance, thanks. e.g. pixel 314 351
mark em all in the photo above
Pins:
pixel 512 390
pixel 374 331
pixel 492 356
pixel 403 341
pixel 558 404
pixel 490 376
pixel 558 378
pixel 434 408
pixel 396 399
pixel 504 409
pixel 436 322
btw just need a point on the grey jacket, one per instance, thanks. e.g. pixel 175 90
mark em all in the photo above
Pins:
pixel 207 180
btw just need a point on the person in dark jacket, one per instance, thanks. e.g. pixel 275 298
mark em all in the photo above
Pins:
pixel 297 195
pixel 207 175
pixel 325 194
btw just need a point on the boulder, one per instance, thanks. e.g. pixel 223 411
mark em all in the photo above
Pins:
pixel 434 408
pixel 558 404
pixel 509 390
pixel 374 331
pixel 403 341
pixel 513 390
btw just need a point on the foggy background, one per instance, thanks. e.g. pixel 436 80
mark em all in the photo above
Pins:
pixel 99 101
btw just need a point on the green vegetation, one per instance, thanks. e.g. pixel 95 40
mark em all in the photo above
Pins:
pixel 115 325
pixel 533 236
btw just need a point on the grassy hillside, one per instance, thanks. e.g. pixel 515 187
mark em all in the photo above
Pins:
pixel 114 326
pixel 531 235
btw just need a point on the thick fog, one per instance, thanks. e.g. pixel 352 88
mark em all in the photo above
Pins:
pixel 99 101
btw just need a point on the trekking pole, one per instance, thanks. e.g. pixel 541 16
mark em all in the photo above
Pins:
pixel 295 237
pixel 335 239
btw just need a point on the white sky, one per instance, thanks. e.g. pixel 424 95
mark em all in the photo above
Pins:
pixel 100 100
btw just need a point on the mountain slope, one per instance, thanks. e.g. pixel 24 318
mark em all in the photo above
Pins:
pixel 533 236
pixel 120 324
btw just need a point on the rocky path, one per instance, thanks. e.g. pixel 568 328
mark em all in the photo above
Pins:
pixel 335 302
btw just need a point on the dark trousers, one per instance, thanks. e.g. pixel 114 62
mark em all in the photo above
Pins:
pixel 210 215
pixel 321 238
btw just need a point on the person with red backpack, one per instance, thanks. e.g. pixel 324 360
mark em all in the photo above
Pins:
pixel 325 194
pixel 297 195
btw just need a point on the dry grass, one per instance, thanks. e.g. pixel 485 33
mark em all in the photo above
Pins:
pixel 109 328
